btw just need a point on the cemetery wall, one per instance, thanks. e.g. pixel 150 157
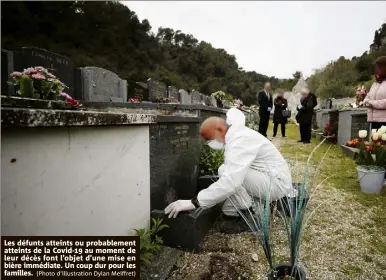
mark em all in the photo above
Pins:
pixel 72 175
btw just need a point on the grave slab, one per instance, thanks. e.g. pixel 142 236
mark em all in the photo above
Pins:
pixel 196 97
pixel 185 97
pixel 157 90
pixel 102 85
pixel 173 94
pixel 175 152
pixel 187 231
pixel 61 66
pixel 138 91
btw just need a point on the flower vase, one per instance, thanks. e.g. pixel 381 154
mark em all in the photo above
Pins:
pixel 371 180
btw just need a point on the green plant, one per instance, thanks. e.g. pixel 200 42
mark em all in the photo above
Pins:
pixel 150 242
pixel 210 160
pixel 37 82
pixel 372 155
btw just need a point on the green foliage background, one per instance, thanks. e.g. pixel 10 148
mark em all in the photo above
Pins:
pixel 341 77
pixel 110 35
pixel 210 160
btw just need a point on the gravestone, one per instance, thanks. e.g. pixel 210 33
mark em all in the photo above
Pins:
pixel 325 119
pixel 334 120
pixel 137 90
pixel 344 130
pixel 205 100
pixel 329 103
pixel 213 101
pixel 101 85
pixel 185 97
pixel 358 122
pixel 196 98
pixel 4 73
pixel 61 66
pixel 173 94
pixel 157 90
pixel 174 159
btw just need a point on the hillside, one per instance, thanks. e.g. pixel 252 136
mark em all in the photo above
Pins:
pixel 109 35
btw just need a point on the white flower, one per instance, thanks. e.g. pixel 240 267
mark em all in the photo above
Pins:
pixel 381 131
pixel 373 131
pixel 375 136
pixel 362 134
pixel 384 137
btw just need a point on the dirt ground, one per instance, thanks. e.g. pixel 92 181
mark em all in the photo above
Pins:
pixel 345 238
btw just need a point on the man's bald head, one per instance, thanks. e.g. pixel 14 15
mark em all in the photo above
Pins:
pixel 214 128
pixel 267 86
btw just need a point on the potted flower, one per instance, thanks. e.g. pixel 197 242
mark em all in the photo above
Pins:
pixel 219 96
pixel 371 161
pixel 37 82
pixel 330 133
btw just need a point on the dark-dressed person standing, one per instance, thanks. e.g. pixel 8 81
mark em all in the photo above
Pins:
pixel 281 104
pixel 265 101
pixel 304 116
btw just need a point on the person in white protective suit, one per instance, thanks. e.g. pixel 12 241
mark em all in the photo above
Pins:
pixel 253 167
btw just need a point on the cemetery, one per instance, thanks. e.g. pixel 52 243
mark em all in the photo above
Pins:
pixel 107 158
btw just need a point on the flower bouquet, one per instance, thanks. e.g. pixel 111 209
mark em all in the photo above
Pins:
pixel 134 100
pixel 330 133
pixel 37 82
pixel 371 160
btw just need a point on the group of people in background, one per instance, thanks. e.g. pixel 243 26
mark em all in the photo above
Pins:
pixel 280 114
pixel 374 100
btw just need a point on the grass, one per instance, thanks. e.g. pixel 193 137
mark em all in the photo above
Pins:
pixel 344 239
pixel 365 225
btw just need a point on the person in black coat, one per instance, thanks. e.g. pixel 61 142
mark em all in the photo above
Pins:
pixel 265 101
pixel 280 104
pixel 304 116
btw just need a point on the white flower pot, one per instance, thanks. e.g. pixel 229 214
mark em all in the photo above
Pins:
pixel 371 180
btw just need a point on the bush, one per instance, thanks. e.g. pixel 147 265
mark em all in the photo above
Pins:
pixel 210 160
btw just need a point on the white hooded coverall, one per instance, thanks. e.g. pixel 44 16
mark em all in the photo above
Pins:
pixel 253 167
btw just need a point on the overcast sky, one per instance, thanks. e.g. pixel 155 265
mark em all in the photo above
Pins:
pixel 273 38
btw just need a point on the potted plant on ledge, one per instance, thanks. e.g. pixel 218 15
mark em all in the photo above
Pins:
pixel 371 161
pixel 38 83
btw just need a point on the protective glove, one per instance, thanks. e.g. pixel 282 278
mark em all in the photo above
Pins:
pixel 179 206
pixel 269 109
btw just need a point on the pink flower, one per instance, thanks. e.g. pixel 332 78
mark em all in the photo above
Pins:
pixel 51 76
pixel 16 74
pixel 38 76
pixel 30 70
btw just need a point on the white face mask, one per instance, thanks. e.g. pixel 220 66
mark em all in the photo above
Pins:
pixel 216 145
